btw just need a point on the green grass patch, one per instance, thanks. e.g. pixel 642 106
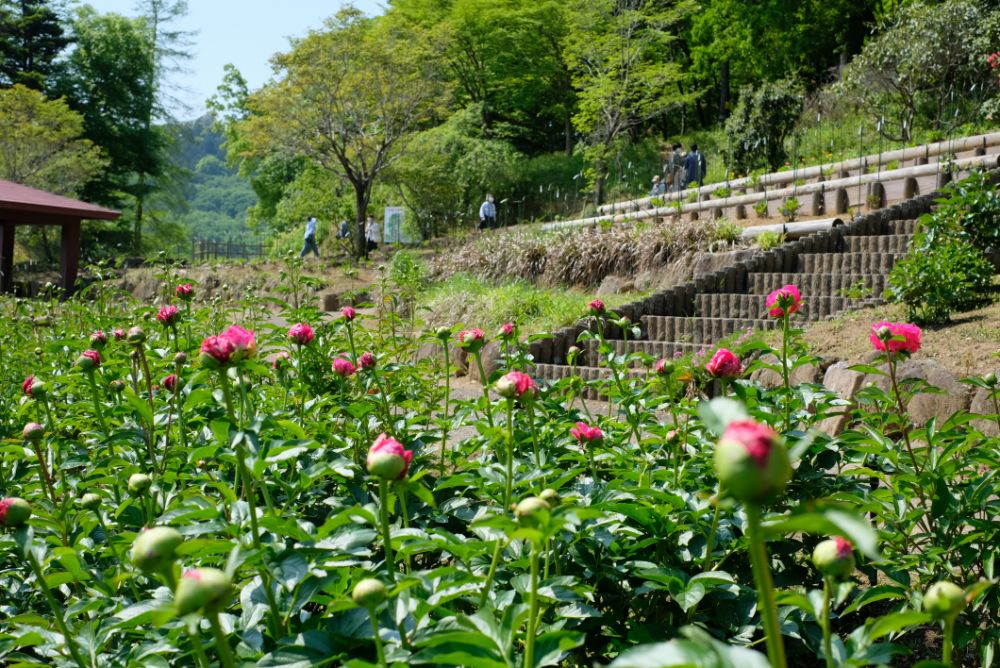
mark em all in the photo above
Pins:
pixel 473 302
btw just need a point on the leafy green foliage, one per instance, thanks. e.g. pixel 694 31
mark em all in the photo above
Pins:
pixel 760 123
pixel 946 269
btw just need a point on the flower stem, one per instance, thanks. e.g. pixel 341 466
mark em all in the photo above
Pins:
pixel 949 639
pixel 379 651
pixel 784 370
pixel 221 641
pixel 447 400
pixel 97 404
pixel 903 423
pixel 765 589
pixel 199 651
pixel 68 637
pixel 43 473
pixel 509 488
pixel 383 495
pixel 824 623
pixel 710 541
pixel 497 551
pixel 114 552
pixel 529 644
pixel 486 388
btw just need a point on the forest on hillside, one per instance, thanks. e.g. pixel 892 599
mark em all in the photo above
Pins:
pixel 553 106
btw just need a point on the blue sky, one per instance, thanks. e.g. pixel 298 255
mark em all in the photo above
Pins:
pixel 243 32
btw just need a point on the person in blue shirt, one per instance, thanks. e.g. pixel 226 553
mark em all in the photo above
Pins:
pixel 310 240
pixel 487 213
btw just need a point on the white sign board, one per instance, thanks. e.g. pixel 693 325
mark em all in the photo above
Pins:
pixel 393 230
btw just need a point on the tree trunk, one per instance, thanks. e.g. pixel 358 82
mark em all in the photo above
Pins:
pixel 361 208
pixel 724 91
pixel 600 176
pixel 137 226
pixel 568 127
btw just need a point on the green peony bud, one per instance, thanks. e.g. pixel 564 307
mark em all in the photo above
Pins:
pixel 443 333
pixel 532 512
pixel 369 593
pixel 90 501
pixel 834 558
pixel 751 464
pixel 33 432
pixel 136 335
pixel 154 548
pixel 139 484
pixel 944 600
pixel 207 589
pixel 550 496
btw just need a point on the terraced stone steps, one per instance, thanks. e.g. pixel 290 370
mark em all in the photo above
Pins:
pixel 847 263
pixel 736 305
pixel 657 349
pixel 885 243
pixel 698 330
pixel 815 285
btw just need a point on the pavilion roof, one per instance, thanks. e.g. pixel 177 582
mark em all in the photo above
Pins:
pixel 22 199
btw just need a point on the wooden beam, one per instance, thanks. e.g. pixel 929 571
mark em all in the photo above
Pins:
pixel 6 256
pixel 69 255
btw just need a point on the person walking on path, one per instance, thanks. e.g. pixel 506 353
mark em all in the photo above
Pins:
pixel 694 167
pixel 371 234
pixel 658 189
pixel 487 213
pixel 310 240
pixel 673 172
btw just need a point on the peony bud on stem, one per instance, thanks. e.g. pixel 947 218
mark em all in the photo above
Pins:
pixel 383 509
pixel 68 638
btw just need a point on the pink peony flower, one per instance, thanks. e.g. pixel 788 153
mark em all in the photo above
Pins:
pixel 184 291
pixel 388 459
pixel 301 334
pixel 216 351
pixel 167 315
pixel 118 333
pixel 28 385
pixel 472 340
pixel 244 343
pixel 785 299
pixel 343 367
pixel 596 307
pixel 724 364
pixel 582 432
pixel 14 511
pixel 348 313
pixel 507 329
pixel 170 382
pixel 366 361
pixel 893 337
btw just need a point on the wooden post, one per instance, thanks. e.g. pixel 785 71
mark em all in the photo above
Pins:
pixel 69 254
pixel 7 257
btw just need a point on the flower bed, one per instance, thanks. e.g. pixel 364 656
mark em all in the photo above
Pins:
pixel 187 483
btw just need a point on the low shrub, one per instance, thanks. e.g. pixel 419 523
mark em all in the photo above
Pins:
pixel 769 239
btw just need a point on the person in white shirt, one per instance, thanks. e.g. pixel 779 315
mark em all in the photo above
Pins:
pixel 487 213
pixel 310 240
pixel 371 234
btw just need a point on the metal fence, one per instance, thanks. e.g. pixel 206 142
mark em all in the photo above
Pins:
pixel 213 249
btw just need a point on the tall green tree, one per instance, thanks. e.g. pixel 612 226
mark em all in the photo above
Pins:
pixel 620 57
pixel 111 81
pixel 31 39
pixel 347 98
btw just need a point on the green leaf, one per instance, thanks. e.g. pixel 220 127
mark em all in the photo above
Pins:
pixel 719 412
pixel 829 522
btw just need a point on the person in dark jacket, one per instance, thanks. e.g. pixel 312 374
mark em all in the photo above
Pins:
pixel 694 168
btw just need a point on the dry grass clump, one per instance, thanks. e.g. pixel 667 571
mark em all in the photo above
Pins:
pixel 581 257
